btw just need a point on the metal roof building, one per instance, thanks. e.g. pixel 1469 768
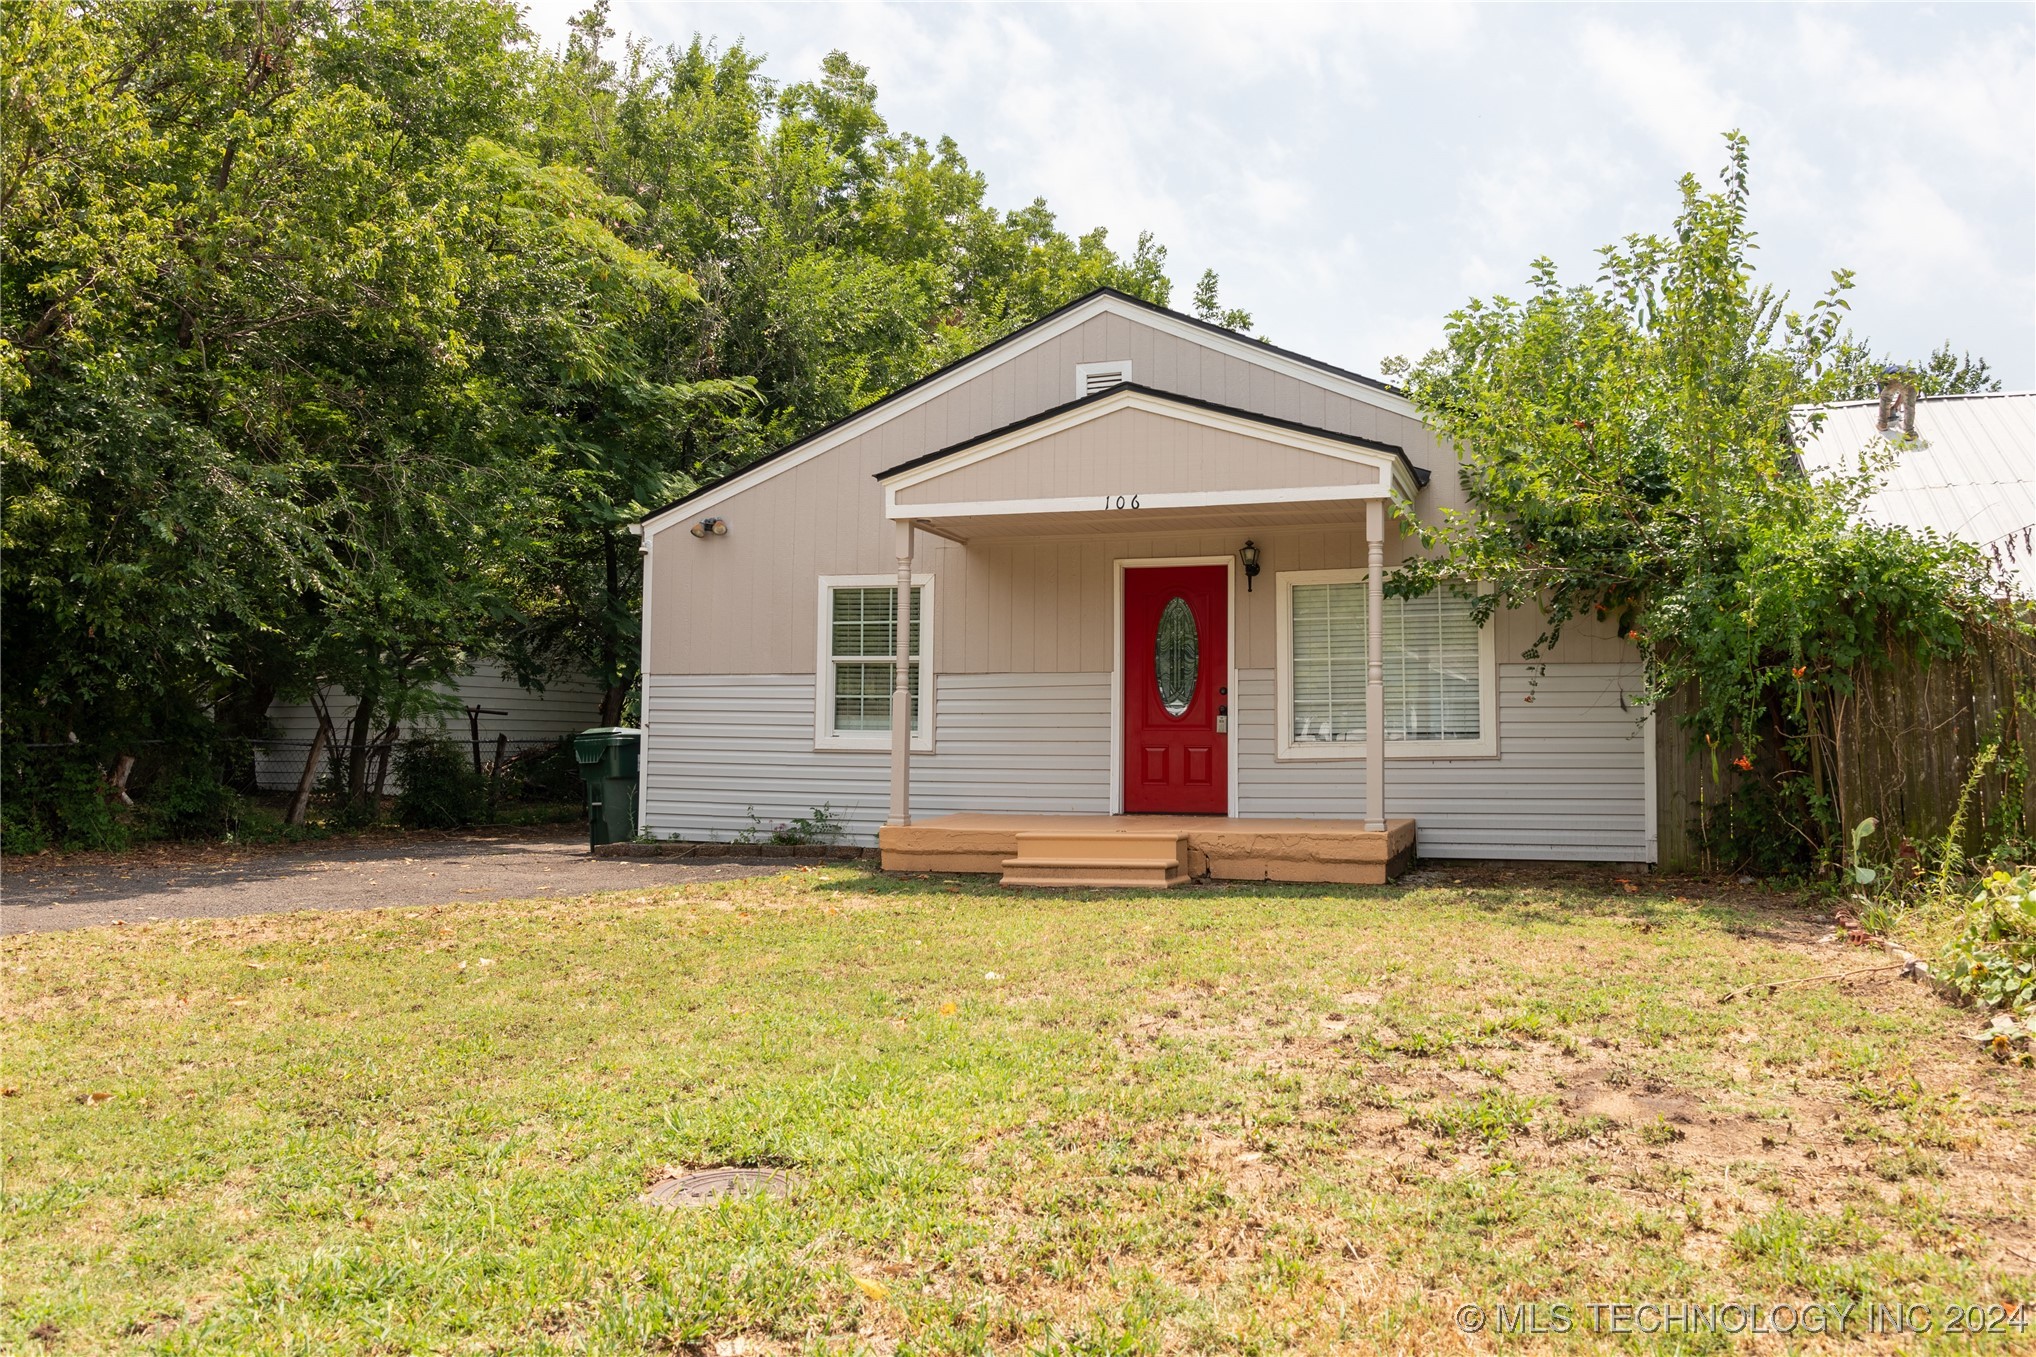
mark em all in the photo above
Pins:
pixel 1969 472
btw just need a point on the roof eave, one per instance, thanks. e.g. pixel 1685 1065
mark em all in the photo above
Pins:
pixel 1101 294
pixel 1419 475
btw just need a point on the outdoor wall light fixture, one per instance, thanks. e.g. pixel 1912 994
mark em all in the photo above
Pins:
pixel 1249 555
pixel 711 527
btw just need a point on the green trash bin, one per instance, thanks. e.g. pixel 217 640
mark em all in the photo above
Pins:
pixel 607 757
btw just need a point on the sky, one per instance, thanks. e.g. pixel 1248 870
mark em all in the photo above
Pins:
pixel 1354 173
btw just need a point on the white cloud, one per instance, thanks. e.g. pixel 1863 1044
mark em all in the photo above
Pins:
pixel 1909 241
pixel 1525 202
pixel 1661 89
pixel 1970 97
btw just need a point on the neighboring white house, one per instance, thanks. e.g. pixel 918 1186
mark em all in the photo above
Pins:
pixel 1964 466
pixel 507 708
pixel 1145 555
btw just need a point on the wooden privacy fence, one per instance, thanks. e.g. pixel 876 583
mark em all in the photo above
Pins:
pixel 1902 746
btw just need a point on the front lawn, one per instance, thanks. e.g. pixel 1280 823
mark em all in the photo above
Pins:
pixel 1247 1119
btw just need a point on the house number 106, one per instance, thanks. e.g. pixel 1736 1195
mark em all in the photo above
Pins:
pixel 1120 501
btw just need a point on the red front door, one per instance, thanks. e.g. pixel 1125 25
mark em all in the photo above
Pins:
pixel 1176 690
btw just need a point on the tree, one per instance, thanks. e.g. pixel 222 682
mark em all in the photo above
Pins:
pixel 341 341
pixel 836 261
pixel 290 449
pixel 1856 373
pixel 141 537
pixel 1210 308
pixel 1627 452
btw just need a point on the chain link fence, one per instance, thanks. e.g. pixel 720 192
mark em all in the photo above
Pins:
pixel 75 795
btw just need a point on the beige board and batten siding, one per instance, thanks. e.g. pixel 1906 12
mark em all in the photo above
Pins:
pixel 1151 451
pixel 744 603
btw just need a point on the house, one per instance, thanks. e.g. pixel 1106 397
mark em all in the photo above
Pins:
pixel 1145 557
pixel 1961 466
pixel 492 705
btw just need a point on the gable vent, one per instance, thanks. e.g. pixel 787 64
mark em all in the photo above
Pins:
pixel 1093 377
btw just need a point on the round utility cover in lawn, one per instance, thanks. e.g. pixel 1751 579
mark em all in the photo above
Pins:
pixel 712 1185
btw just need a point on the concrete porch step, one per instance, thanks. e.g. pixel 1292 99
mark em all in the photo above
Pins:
pixel 1108 858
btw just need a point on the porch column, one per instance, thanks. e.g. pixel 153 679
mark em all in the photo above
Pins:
pixel 901 688
pixel 1375 665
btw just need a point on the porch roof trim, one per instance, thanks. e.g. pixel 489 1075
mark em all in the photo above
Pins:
pixel 1410 476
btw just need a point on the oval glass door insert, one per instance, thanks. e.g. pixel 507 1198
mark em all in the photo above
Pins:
pixel 1176 656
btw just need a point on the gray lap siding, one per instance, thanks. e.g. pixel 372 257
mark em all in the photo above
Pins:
pixel 720 745
pixel 1568 782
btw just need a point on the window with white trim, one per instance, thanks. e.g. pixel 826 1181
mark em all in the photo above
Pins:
pixel 858 661
pixel 1440 674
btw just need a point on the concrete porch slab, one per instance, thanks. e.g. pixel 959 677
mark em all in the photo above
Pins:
pixel 1222 847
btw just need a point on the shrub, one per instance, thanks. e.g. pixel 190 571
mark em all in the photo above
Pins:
pixel 1769 828
pixel 190 802
pixel 1994 959
pixel 440 789
pixel 823 826
pixel 57 798
pixel 20 834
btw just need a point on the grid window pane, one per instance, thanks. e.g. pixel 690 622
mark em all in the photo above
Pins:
pixel 862 697
pixel 1432 677
pixel 864 629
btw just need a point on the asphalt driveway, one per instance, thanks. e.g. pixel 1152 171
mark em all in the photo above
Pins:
pixel 41 894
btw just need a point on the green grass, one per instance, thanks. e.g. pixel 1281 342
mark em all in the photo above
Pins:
pixel 1256 1119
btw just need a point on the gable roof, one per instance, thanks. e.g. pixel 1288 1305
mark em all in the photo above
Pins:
pixel 1104 299
pixel 1117 391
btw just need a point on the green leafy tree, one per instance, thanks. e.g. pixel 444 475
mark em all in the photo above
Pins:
pixel 835 261
pixel 340 342
pixel 1856 373
pixel 1628 453
pixel 1209 306
pixel 141 536
pixel 292 453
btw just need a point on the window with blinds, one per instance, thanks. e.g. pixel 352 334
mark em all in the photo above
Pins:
pixel 862 654
pixel 1433 672
pixel 1328 632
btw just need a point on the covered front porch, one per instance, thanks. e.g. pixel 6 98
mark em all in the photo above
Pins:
pixel 1149 850
pixel 1133 461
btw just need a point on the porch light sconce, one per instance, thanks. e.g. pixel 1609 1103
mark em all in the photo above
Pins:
pixel 1249 555
pixel 711 527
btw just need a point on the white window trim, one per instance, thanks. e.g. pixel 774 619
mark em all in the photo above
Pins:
pixel 871 741
pixel 1120 368
pixel 1486 746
